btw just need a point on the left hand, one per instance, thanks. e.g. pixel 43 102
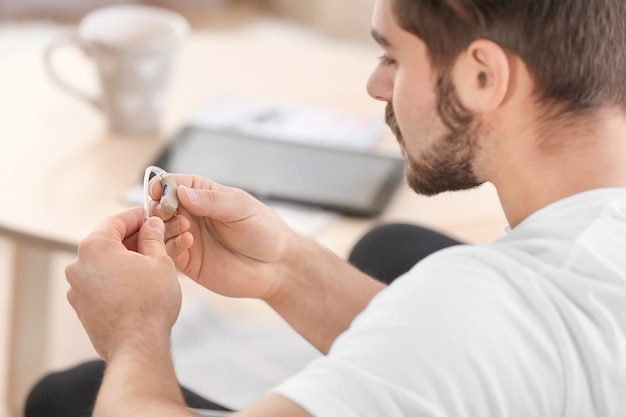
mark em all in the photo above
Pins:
pixel 124 287
pixel 226 240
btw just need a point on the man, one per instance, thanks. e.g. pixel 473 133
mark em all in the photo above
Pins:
pixel 529 95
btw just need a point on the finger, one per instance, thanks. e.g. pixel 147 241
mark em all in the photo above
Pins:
pixel 155 188
pixel 176 226
pixel 196 181
pixel 131 242
pixel 178 245
pixel 155 209
pixel 235 204
pixel 121 225
pixel 223 204
pixel 151 238
pixel 173 228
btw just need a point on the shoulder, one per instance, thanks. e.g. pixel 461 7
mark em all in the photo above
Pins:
pixel 484 271
pixel 479 299
pixel 465 296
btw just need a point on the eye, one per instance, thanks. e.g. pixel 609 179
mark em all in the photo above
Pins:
pixel 386 61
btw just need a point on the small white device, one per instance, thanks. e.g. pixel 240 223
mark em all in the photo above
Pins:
pixel 169 199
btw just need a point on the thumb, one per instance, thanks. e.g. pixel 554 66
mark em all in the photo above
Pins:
pixel 224 204
pixel 151 239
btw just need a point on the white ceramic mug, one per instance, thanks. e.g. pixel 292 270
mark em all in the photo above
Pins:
pixel 133 48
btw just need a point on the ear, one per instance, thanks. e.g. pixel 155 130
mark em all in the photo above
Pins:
pixel 481 75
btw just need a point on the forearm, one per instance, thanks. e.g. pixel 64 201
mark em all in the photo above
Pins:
pixel 320 293
pixel 141 381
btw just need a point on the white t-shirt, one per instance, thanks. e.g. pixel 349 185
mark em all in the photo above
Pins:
pixel 531 325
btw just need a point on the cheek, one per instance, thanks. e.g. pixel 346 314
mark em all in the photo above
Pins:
pixel 404 104
pixel 414 97
pixel 411 113
pixel 420 125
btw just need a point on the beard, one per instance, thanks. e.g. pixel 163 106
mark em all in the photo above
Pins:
pixel 448 164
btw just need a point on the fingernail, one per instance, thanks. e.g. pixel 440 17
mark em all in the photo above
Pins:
pixel 193 196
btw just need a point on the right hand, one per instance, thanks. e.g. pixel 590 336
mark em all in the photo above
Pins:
pixel 225 239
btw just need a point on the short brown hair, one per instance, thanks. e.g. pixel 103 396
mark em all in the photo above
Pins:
pixel 575 50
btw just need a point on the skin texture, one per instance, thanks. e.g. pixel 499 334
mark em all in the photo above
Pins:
pixel 476 121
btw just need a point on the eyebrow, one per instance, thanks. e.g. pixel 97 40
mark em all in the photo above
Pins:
pixel 380 39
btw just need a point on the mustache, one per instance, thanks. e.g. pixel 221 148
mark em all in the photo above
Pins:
pixel 390 119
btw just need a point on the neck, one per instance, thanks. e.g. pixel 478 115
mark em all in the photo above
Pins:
pixel 538 168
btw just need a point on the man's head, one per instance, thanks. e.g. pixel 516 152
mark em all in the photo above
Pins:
pixel 574 52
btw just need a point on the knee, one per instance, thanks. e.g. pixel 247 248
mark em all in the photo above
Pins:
pixel 69 393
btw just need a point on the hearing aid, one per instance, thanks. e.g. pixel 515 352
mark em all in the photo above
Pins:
pixel 169 199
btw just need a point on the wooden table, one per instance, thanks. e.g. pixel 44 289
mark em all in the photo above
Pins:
pixel 63 172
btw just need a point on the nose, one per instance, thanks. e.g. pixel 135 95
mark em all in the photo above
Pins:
pixel 380 85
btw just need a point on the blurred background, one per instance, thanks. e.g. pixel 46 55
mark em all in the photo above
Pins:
pixel 346 19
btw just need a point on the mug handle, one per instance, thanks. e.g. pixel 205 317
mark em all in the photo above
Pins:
pixel 63 40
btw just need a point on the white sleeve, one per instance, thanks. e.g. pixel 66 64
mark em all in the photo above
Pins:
pixel 450 338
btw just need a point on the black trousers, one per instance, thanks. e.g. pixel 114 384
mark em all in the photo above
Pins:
pixel 385 253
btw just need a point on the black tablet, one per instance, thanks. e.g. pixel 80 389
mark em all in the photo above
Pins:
pixel 351 182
